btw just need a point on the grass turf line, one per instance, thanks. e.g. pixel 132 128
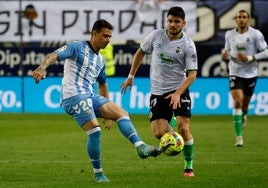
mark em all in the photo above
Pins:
pixel 45 150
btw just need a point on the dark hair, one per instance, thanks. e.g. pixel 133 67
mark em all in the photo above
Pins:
pixel 176 11
pixel 99 24
pixel 243 11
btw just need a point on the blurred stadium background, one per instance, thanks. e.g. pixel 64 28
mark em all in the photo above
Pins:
pixel 31 29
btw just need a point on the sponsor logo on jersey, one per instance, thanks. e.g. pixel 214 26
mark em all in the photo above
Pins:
pixel 61 49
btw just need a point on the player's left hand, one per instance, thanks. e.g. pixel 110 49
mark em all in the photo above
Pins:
pixel 242 57
pixel 127 83
pixel 174 100
pixel 107 123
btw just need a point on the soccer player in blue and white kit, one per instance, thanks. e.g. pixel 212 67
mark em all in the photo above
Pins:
pixel 83 67
pixel 173 70
pixel 244 45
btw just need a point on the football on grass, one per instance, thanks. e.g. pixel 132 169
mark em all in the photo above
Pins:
pixel 171 143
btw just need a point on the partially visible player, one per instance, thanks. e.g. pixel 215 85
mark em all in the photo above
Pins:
pixel 83 67
pixel 173 70
pixel 244 45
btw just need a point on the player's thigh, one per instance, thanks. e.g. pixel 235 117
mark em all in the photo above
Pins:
pixel 111 110
pixel 250 84
pixel 237 86
pixel 185 109
pixel 237 94
pixel 81 109
pixel 246 99
pixel 104 108
pixel 159 108
pixel 159 127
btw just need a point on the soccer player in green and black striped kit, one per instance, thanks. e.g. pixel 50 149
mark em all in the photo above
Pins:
pixel 173 69
pixel 244 45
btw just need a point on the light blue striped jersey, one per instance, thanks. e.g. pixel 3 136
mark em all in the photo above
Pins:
pixel 82 68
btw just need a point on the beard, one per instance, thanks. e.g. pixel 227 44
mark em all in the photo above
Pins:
pixel 174 32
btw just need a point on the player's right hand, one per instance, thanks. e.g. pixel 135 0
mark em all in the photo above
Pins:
pixel 107 123
pixel 225 55
pixel 39 74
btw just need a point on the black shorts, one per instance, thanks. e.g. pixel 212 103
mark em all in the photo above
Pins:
pixel 160 109
pixel 246 84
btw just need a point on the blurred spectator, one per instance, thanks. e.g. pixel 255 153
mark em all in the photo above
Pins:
pixel 108 54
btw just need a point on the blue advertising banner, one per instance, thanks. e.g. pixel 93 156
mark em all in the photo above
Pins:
pixel 210 18
pixel 10 94
pixel 43 97
pixel 209 96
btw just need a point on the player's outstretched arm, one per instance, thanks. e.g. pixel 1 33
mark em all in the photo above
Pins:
pixel 139 55
pixel 40 72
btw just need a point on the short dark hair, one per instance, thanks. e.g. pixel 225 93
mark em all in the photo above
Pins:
pixel 176 11
pixel 99 24
pixel 243 11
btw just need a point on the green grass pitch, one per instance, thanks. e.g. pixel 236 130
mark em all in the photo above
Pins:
pixel 45 150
